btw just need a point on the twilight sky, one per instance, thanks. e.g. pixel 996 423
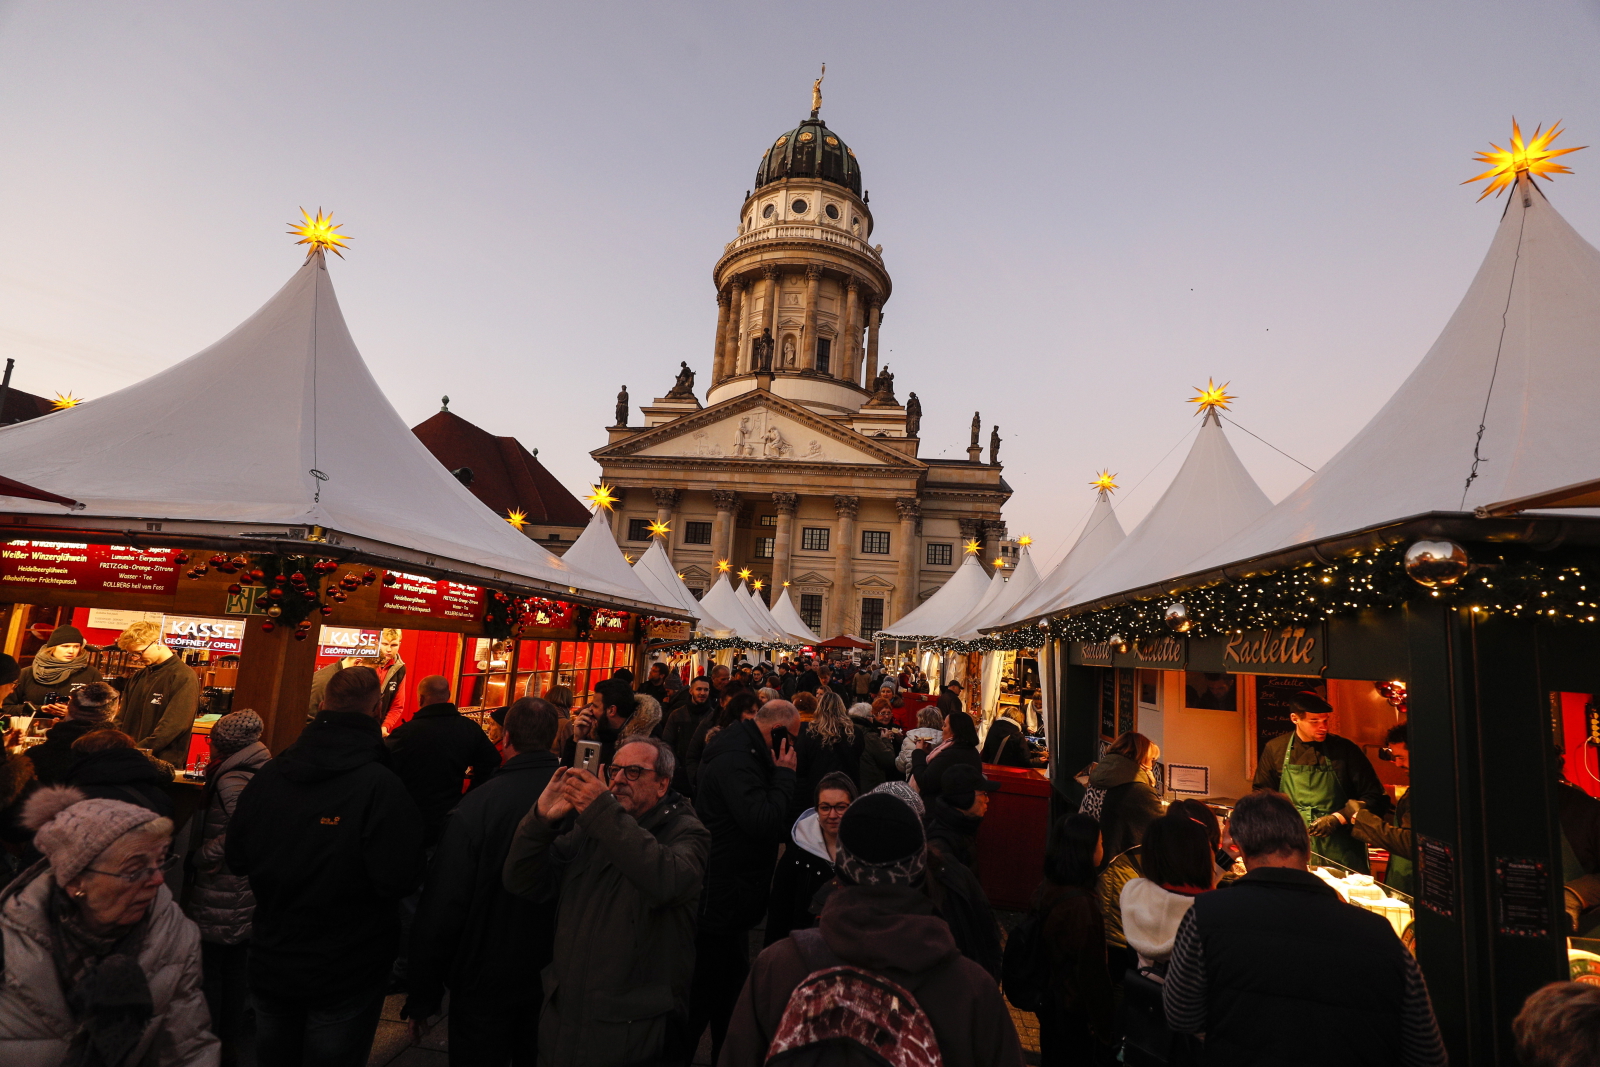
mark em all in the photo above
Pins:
pixel 1086 208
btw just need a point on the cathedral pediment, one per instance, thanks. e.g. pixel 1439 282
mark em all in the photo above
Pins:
pixel 757 427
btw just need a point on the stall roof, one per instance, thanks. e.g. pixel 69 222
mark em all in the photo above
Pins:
pixel 655 570
pixel 759 608
pixel 728 605
pixel 276 429
pixel 1517 360
pixel 1100 534
pixel 595 552
pixel 997 603
pixel 505 476
pixel 788 618
pixel 1211 499
pixel 949 604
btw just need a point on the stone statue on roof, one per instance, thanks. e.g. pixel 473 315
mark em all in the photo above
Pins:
pixel 977 428
pixel 913 415
pixel 883 386
pixel 994 446
pixel 622 407
pixel 683 388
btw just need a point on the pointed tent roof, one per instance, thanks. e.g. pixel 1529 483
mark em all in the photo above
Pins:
pixel 1519 356
pixel 789 619
pixel 658 575
pixel 759 608
pixel 1014 586
pixel 991 592
pixel 1100 534
pixel 949 604
pixel 724 600
pixel 1211 499
pixel 595 552
pixel 316 444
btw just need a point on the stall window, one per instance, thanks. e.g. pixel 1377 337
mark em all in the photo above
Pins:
pixel 875 542
pixel 765 546
pixel 814 538
pixel 811 609
pixel 871 616
pixel 697 533
pixel 485 674
pixel 939 555
pixel 536 662
pixel 638 529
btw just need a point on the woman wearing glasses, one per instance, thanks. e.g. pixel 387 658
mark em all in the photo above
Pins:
pixel 807 863
pixel 101 965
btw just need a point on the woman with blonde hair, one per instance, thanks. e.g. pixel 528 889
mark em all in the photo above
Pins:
pixel 101 966
pixel 829 742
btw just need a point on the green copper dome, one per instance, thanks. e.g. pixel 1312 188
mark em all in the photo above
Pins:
pixel 810 150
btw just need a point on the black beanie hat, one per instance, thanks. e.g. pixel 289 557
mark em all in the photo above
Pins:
pixel 9 671
pixel 879 828
pixel 962 728
pixel 64 635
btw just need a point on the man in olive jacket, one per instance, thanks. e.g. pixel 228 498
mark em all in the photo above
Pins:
pixel 161 701
pixel 627 864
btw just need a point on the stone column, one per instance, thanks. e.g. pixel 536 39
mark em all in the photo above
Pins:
pixel 971 530
pixel 808 338
pixel 906 571
pixel 667 506
pixel 783 539
pixel 874 317
pixel 848 357
pixel 730 334
pixel 843 569
pixel 994 532
pixel 719 347
pixel 770 312
pixel 727 504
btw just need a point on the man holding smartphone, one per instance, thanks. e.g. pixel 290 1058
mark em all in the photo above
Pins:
pixel 615 698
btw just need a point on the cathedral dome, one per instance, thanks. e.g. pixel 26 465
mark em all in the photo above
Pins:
pixel 810 150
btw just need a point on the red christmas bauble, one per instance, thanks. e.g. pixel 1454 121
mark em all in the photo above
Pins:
pixel 267 626
pixel 235 588
pixel 275 594
pixel 297 578
pixel 299 635
pixel 327 609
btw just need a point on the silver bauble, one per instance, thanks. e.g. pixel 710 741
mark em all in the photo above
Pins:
pixel 1435 563
pixel 1177 617
pixel 1118 642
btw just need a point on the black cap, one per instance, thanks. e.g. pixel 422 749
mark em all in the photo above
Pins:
pixel 64 635
pixel 880 828
pixel 499 715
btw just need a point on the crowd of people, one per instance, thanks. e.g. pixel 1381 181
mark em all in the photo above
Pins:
pixel 582 883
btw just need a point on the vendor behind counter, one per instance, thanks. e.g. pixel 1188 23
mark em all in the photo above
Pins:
pixel 58 669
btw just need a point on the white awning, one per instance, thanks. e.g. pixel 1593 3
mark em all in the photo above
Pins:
pixel 595 552
pixel 788 618
pixel 1100 534
pixel 949 604
pixel 1013 586
pixel 655 570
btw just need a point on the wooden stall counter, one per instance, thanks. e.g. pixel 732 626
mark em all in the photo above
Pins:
pixel 1012 839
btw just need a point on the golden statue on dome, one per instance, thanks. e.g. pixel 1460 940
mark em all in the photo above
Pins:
pixel 816 92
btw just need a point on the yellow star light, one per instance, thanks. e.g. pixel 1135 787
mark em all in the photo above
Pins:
pixel 786 585
pixel 757 585
pixel 65 400
pixel 1213 396
pixel 658 529
pixel 1105 481
pixel 680 576
pixel 999 562
pixel 628 556
pixel 320 232
pixel 1533 157
pixel 603 497
pixel 723 566
pixel 1024 540
pixel 517 517
pixel 973 548
pixel 744 574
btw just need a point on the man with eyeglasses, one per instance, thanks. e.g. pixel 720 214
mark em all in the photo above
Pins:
pixel 161 701
pixel 626 863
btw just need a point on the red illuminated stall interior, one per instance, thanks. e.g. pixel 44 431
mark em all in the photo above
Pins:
pixel 495 673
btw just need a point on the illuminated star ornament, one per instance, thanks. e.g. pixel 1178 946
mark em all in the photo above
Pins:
pixel 723 566
pixel 1105 481
pixel 517 517
pixel 786 585
pixel 999 561
pixel 1024 540
pixel 66 400
pixel 744 574
pixel 1212 397
pixel 658 529
pixel 757 585
pixel 1533 157
pixel 603 497
pixel 320 232
pixel 973 548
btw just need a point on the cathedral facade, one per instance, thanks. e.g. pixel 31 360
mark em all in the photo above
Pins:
pixel 802 465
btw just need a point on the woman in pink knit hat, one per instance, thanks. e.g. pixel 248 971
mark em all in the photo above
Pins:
pixel 101 966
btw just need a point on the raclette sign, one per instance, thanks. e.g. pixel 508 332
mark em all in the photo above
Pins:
pixel 89 568
pixel 431 598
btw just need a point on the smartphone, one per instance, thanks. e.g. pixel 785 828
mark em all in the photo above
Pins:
pixel 779 735
pixel 588 757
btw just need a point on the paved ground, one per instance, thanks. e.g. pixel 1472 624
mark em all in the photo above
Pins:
pixel 392 1048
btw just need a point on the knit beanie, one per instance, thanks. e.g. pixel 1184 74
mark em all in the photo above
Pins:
pixel 91 704
pixel 903 791
pixel 235 730
pixel 64 635
pixel 72 830
pixel 881 843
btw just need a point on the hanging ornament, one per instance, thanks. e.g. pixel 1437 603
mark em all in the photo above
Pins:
pixel 258 574
pixel 181 557
pixel 274 610
pixel 218 560
pixel 300 635
pixel 235 589
pixel 274 593
pixel 389 579
pixel 327 609
pixel 1176 616
pixel 1436 563
pixel 267 626
pixel 1119 642
pixel 297 578
pixel 369 577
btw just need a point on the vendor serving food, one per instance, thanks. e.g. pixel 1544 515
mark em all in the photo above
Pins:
pixel 1320 772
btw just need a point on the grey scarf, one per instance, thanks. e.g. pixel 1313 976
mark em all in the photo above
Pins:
pixel 106 989
pixel 54 671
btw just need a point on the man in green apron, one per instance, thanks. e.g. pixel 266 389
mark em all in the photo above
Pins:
pixel 1320 772
pixel 1393 834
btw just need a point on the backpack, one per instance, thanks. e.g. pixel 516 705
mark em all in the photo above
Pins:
pixel 844 1015
pixel 1025 968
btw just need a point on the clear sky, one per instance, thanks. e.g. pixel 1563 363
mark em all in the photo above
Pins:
pixel 1086 208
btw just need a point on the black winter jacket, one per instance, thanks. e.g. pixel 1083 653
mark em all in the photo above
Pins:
pixel 743 799
pixel 679 730
pixel 30 690
pixel 1130 805
pixel 814 760
pixel 801 873
pixel 954 833
pixel 331 841
pixel 929 774
pixel 470 934
pixel 122 774
pixel 53 760
pixel 432 753
pixel 158 709
pixel 1005 746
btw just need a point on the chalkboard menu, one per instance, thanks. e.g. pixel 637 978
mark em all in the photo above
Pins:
pixel 1126 696
pixel 1436 876
pixel 1272 704
pixel 1524 892
pixel 1108 702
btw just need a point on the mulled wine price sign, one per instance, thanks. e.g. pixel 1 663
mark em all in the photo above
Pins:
pixel 89 568
pixel 413 594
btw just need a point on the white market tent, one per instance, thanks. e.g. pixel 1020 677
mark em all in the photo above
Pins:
pixel 595 552
pixel 1518 356
pixel 1100 535
pixel 279 432
pixel 759 609
pixel 724 601
pixel 655 570
pixel 949 604
pixel 784 613
pixel 1006 589
pixel 1211 499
